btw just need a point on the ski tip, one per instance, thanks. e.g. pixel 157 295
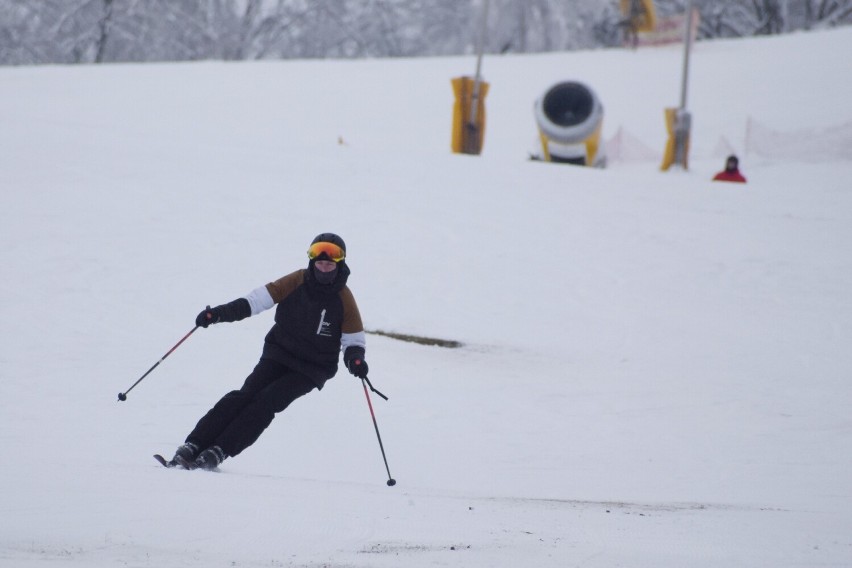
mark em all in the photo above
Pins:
pixel 163 461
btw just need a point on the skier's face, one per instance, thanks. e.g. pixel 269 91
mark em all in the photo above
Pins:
pixel 325 265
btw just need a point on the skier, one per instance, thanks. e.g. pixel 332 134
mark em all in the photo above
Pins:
pixel 316 317
pixel 731 172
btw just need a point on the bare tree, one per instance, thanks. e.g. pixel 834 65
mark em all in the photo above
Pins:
pixel 52 31
pixel 826 13
pixel 770 17
pixel 738 18
pixel 103 26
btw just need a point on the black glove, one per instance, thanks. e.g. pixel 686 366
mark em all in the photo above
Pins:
pixel 359 368
pixel 208 316
pixel 354 359
pixel 232 311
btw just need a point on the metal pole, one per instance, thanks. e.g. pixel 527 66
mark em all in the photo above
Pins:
pixel 123 395
pixel 683 120
pixel 474 99
pixel 687 43
pixel 391 481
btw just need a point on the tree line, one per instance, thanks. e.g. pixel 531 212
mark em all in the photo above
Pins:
pixel 97 31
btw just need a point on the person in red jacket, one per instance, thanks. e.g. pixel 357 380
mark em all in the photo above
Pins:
pixel 731 172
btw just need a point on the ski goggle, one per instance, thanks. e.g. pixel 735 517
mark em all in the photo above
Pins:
pixel 331 250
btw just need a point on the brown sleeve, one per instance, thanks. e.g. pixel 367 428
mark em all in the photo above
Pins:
pixel 285 285
pixel 351 315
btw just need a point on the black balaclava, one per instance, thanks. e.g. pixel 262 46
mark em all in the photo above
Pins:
pixel 323 278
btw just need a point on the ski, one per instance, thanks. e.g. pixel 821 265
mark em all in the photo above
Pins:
pixel 163 461
pixel 178 461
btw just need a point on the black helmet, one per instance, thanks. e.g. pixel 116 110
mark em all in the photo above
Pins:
pixel 329 238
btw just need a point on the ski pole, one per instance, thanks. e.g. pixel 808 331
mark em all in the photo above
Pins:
pixel 123 395
pixel 364 381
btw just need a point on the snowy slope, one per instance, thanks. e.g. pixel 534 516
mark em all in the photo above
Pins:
pixel 655 367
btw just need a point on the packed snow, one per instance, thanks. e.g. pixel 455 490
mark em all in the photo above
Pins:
pixel 654 369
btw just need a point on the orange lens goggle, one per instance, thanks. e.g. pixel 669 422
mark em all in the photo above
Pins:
pixel 331 250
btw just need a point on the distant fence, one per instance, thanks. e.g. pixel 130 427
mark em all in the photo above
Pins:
pixel 624 147
pixel 828 144
pixel 803 145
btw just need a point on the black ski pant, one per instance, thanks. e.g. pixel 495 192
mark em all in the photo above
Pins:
pixel 241 416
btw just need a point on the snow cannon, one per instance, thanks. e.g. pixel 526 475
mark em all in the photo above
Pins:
pixel 569 118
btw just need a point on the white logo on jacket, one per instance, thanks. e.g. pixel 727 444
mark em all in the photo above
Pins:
pixel 322 328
